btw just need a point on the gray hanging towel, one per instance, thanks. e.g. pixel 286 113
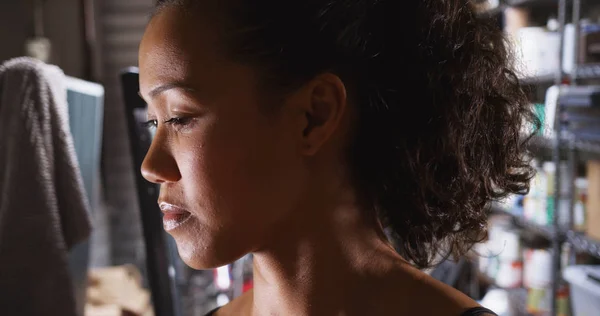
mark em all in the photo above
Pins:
pixel 44 210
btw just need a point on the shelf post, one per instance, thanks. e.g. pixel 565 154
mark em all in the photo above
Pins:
pixel 557 143
pixel 576 20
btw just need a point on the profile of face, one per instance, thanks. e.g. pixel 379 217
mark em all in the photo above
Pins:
pixel 230 175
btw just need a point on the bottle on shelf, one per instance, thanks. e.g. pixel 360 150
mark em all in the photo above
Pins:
pixel 532 201
pixel 579 204
pixel 538 281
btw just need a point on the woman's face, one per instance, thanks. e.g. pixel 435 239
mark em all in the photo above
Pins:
pixel 228 172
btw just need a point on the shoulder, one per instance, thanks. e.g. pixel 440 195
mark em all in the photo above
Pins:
pixel 404 291
pixel 478 311
pixel 416 293
pixel 240 306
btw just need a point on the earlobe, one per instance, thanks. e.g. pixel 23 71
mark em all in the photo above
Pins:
pixel 324 110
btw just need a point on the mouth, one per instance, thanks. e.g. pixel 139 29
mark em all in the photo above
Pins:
pixel 173 216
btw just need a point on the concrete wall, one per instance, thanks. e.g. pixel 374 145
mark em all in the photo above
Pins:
pixel 120 28
pixel 63 24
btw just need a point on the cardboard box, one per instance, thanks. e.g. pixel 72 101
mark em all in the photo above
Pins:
pixel 593 200
pixel 117 291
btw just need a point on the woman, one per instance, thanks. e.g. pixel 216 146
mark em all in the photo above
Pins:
pixel 302 131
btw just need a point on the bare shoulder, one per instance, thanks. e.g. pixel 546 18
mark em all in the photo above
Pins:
pixel 405 291
pixel 240 306
pixel 416 293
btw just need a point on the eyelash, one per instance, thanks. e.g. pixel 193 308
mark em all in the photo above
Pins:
pixel 176 121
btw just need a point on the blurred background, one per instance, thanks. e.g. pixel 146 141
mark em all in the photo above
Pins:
pixel 542 255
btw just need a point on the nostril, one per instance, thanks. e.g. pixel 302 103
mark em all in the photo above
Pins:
pixel 152 175
pixel 149 173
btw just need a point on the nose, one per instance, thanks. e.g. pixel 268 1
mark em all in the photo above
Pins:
pixel 159 165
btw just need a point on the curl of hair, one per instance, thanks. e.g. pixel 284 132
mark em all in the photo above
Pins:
pixel 441 111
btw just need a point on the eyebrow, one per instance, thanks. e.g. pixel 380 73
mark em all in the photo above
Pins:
pixel 168 86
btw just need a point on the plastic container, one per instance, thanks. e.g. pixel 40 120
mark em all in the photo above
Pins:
pixel 539 269
pixel 510 265
pixel 510 246
pixel 585 289
pixel 579 210
pixel 510 274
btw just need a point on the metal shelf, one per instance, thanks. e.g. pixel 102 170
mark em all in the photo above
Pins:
pixel 547 232
pixel 588 147
pixel 536 80
pixel 580 242
pixel 588 71
pixel 492 12
pixel 528 3
pixel 516 3
pixel 544 231
pixel 541 142
pixel 584 244
pixel 587 150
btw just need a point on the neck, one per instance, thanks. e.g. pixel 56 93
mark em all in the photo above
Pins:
pixel 315 267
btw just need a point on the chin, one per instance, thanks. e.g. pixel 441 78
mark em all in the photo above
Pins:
pixel 204 256
pixel 201 262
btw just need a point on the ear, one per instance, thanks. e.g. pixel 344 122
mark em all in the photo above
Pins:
pixel 325 105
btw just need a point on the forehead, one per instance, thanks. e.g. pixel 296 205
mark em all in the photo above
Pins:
pixel 178 46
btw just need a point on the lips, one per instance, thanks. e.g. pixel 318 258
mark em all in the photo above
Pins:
pixel 174 216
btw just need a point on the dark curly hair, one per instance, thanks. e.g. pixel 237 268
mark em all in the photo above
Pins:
pixel 441 112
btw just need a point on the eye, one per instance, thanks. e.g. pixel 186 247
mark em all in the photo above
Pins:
pixel 178 121
pixel 181 124
pixel 151 124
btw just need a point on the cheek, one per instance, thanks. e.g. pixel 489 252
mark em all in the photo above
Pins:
pixel 240 179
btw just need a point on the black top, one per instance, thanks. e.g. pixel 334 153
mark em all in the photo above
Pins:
pixel 477 311
pixel 212 312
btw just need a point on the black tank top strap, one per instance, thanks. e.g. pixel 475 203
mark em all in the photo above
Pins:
pixel 211 313
pixel 478 311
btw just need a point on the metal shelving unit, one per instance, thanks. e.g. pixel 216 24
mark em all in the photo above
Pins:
pixel 566 139
pixel 545 231
pixel 580 242
pixel 588 71
pixel 584 244
pixel 494 11
pixel 517 3
pixel 582 150
pixel 562 147
pixel 585 150
pixel 588 147
pixel 538 80
pixel 528 3
pixel 557 144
